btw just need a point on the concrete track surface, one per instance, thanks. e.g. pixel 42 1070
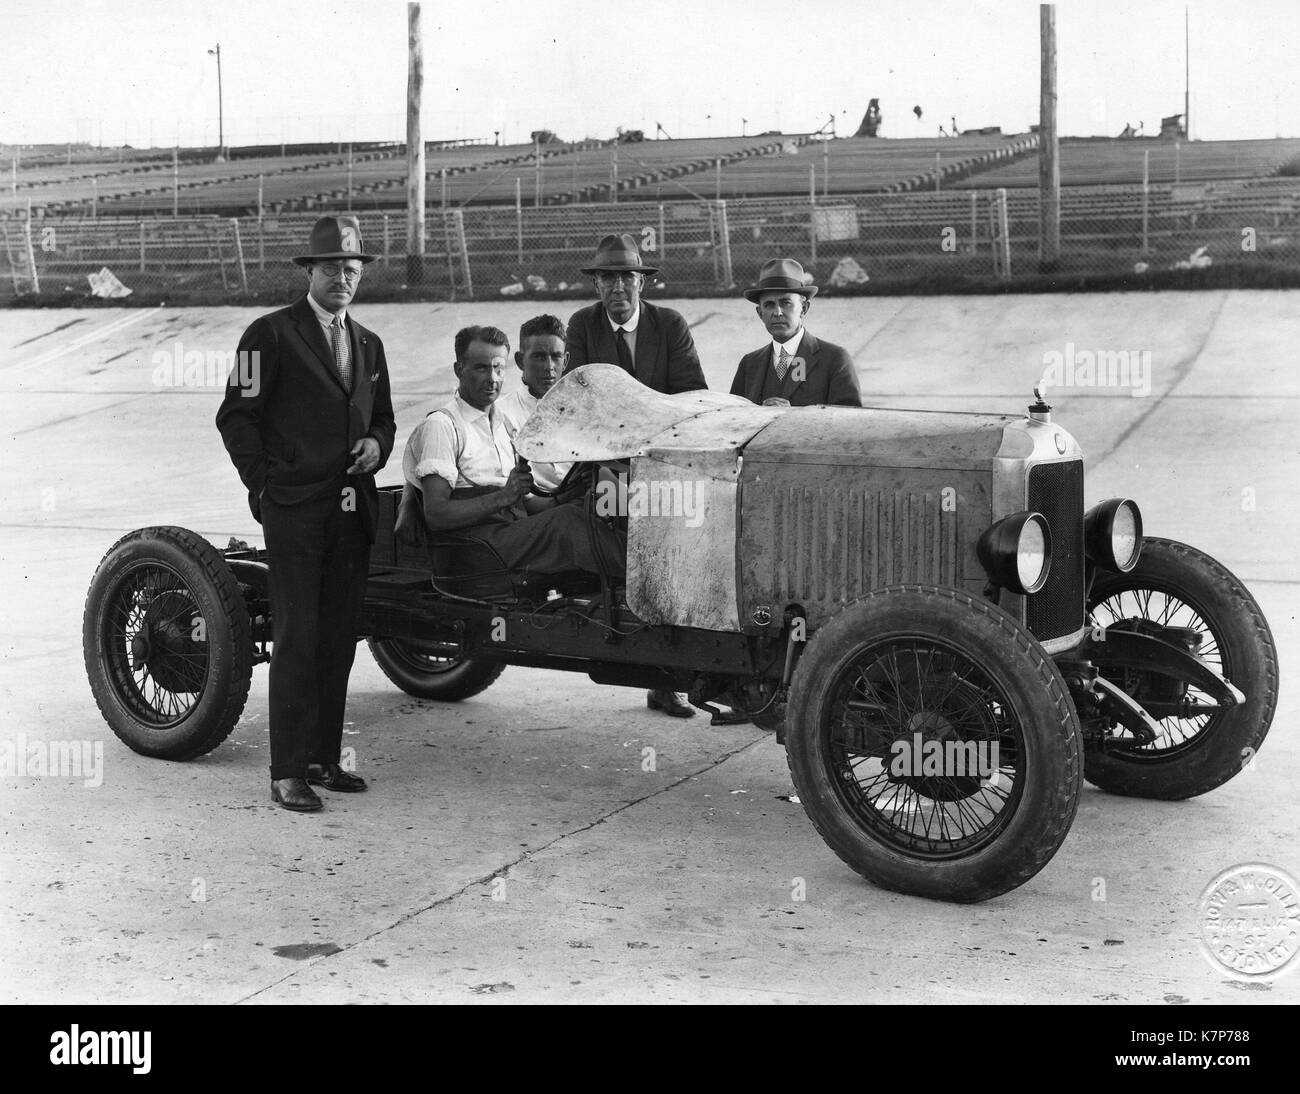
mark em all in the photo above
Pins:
pixel 511 848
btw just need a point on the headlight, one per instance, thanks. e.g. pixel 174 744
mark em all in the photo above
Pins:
pixel 1016 552
pixel 1112 534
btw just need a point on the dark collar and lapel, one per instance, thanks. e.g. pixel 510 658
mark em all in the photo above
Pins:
pixel 760 361
pixel 647 344
pixel 309 329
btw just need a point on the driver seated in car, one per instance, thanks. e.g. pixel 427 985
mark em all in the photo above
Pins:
pixel 462 461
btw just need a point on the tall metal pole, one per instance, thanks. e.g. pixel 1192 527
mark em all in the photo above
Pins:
pixel 221 110
pixel 537 162
pixel 1049 167
pixel 1187 74
pixel 414 149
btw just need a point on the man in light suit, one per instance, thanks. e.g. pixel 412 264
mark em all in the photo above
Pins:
pixel 795 368
pixel 307 438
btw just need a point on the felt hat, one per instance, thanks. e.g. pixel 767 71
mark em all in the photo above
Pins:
pixel 334 237
pixel 618 254
pixel 782 275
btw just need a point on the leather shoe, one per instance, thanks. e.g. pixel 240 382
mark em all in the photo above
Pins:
pixel 333 777
pixel 671 703
pixel 294 794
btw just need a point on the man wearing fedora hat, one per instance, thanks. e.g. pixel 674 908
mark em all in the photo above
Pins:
pixel 651 342
pixel 307 439
pixel 795 368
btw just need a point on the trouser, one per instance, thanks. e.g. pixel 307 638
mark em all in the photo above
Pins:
pixel 319 557
pixel 556 540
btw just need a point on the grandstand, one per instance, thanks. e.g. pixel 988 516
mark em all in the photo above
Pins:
pixel 718 207
pixel 1088 162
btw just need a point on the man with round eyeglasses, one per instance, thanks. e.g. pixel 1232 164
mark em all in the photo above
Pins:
pixel 651 342
pixel 307 437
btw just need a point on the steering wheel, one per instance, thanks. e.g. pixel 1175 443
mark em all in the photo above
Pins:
pixel 580 478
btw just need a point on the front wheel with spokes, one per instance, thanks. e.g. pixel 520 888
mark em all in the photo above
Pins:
pixel 934 744
pixel 1178 592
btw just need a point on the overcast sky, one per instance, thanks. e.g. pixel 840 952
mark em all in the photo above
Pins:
pixel 139 72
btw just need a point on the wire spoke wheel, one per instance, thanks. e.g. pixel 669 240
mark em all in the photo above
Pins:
pixel 433 670
pixel 1147 611
pixel 167 643
pixel 926 747
pixel 148 644
pixel 933 744
pixel 1176 586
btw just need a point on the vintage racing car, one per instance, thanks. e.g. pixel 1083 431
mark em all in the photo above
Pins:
pixel 919 604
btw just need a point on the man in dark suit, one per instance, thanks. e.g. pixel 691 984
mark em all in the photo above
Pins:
pixel 795 368
pixel 307 437
pixel 653 343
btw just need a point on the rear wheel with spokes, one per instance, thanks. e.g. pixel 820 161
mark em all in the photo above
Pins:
pixel 933 744
pixel 167 643
pixel 433 670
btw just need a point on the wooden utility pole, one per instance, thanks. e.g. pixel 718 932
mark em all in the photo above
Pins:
pixel 414 149
pixel 1049 167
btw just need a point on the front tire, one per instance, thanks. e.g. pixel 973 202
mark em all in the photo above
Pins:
pixel 167 643
pixel 432 671
pixel 917 664
pixel 1174 585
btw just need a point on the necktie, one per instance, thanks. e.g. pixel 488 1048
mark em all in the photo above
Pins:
pixel 338 343
pixel 782 364
pixel 624 354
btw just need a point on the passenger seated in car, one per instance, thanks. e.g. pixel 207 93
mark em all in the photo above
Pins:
pixel 541 358
pixel 461 460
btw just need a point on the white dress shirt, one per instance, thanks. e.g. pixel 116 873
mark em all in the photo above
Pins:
pixel 791 346
pixel 515 409
pixel 327 321
pixel 460 444
pixel 629 337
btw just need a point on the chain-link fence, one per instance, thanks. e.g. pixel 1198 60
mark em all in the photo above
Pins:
pixel 958 237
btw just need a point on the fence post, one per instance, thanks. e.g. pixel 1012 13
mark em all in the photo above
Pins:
pixel 385 259
pixel 613 174
pixel 663 236
pixel 727 279
pixel 937 156
pixel 261 228
pixel 717 180
pixel 974 226
pixel 94 196
pixel 1146 198
pixel 812 213
pixel 31 251
pixel 239 254
pixel 176 181
pixel 142 244
pixel 519 223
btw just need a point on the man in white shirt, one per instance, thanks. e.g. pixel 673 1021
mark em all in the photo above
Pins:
pixel 461 460
pixel 541 358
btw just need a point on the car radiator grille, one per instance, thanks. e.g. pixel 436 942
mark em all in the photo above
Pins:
pixel 1056 491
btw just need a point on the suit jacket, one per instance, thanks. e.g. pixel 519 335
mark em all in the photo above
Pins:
pixel 829 378
pixel 291 431
pixel 665 352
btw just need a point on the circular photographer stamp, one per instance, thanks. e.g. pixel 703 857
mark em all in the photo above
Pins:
pixel 1249 921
